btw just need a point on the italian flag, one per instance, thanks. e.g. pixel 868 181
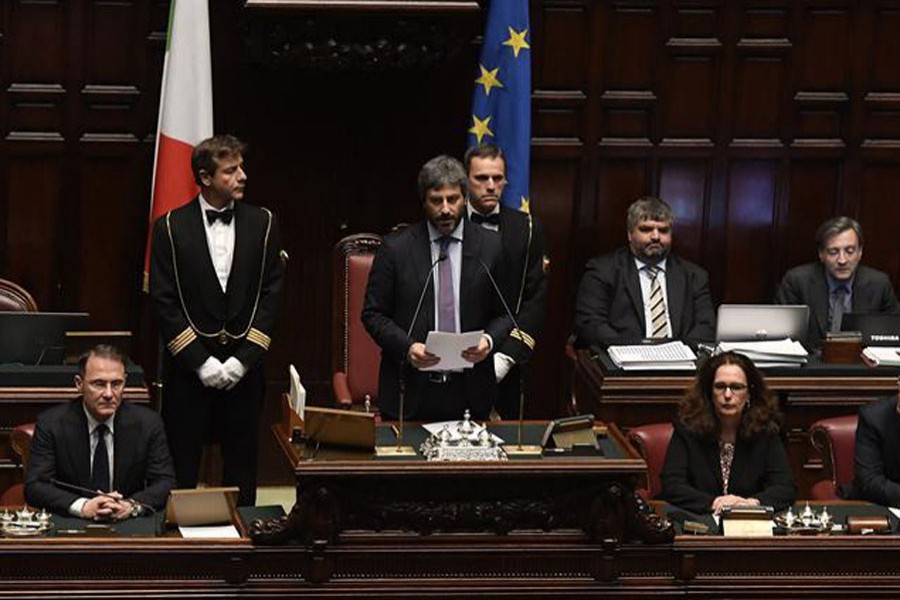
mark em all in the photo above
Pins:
pixel 185 110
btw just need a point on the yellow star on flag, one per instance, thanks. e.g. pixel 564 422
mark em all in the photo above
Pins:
pixel 481 128
pixel 517 41
pixel 488 79
pixel 525 205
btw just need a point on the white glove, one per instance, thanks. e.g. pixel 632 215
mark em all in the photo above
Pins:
pixel 502 365
pixel 212 373
pixel 234 370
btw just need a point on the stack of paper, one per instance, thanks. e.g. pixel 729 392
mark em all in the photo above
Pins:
pixel 769 353
pixel 673 356
pixel 883 356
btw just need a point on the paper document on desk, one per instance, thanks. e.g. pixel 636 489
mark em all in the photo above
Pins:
pixel 217 532
pixel 883 356
pixel 769 353
pixel 449 347
pixel 672 356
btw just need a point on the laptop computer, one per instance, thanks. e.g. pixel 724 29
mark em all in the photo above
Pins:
pixel 877 329
pixel 37 338
pixel 757 322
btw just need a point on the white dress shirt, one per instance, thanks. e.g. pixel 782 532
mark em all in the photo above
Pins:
pixel 220 240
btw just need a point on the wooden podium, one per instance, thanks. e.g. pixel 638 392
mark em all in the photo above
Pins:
pixel 519 517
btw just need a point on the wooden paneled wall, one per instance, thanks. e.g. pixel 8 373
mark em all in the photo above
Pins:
pixel 754 119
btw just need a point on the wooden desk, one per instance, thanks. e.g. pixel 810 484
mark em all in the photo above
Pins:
pixel 521 516
pixel 525 565
pixel 806 395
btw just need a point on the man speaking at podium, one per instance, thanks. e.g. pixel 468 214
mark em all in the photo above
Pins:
pixel 99 444
pixel 434 275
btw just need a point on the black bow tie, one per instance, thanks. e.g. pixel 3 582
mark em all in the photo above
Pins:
pixel 219 215
pixel 493 218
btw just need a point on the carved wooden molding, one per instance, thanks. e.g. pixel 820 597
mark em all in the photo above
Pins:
pixel 373 36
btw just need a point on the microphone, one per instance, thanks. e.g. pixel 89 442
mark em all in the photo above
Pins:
pixel 441 258
pixel 520 449
pixel 94 493
pixel 400 449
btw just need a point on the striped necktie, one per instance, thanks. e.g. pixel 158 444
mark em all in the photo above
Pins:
pixel 658 320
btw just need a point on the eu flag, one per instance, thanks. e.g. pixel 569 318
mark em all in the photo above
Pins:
pixel 501 104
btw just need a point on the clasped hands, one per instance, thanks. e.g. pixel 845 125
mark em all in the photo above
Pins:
pixel 107 507
pixel 731 500
pixel 221 376
pixel 422 359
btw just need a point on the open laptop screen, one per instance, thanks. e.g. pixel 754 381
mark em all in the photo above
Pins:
pixel 745 322
pixel 878 329
pixel 37 338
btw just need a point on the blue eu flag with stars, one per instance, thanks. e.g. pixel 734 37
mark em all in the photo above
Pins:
pixel 501 103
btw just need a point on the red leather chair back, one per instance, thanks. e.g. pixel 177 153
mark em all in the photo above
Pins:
pixel 20 440
pixel 14 298
pixel 835 439
pixel 356 355
pixel 652 442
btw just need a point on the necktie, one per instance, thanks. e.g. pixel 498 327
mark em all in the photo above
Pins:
pixel 658 320
pixel 100 468
pixel 837 307
pixel 491 219
pixel 219 215
pixel 446 297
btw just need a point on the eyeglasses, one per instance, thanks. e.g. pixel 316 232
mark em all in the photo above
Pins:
pixel 849 251
pixel 100 385
pixel 736 388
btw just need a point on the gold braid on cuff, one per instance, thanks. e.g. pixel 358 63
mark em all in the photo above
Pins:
pixel 181 341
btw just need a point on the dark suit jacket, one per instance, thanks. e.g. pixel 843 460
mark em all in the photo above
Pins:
pixel 186 291
pixel 142 467
pixel 523 280
pixel 692 474
pixel 807 284
pixel 610 309
pixel 877 457
pixel 399 273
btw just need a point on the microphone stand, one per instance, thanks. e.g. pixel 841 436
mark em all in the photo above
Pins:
pixel 400 449
pixel 519 449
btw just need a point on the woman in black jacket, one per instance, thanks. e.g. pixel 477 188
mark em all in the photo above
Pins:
pixel 726 449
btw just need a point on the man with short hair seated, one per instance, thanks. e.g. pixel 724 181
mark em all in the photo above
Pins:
pixel 98 443
pixel 643 291
pixel 837 284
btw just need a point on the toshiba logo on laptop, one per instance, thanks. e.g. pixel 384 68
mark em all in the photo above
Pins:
pixel 885 338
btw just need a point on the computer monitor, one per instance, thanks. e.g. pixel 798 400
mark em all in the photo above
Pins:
pixel 746 322
pixel 877 329
pixel 37 338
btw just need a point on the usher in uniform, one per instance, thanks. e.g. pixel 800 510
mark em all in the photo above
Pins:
pixel 204 308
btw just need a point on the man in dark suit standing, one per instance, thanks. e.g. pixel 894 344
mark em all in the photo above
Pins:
pixel 216 277
pixel 837 284
pixel 643 291
pixel 98 443
pixel 877 455
pixel 433 276
pixel 524 279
